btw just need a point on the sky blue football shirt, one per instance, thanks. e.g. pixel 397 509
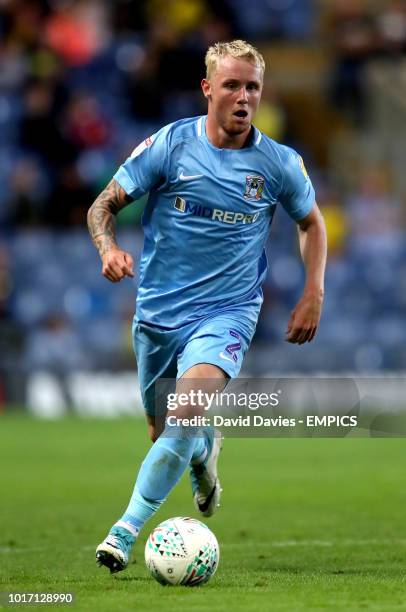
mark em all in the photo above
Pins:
pixel 207 218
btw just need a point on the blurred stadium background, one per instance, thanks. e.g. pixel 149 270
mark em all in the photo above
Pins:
pixel 83 81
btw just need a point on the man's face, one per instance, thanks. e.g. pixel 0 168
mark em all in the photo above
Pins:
pixel 234 92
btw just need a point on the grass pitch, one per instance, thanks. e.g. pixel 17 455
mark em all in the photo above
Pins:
pixel 304 524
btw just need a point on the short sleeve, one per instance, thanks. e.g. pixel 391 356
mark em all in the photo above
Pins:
pixel 297 194
pixel 146 166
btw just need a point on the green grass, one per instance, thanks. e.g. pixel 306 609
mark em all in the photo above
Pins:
pixel 305 524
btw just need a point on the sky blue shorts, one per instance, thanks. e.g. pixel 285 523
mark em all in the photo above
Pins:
pixel 221 340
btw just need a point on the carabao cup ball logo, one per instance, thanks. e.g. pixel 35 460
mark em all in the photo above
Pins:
pixel 254 186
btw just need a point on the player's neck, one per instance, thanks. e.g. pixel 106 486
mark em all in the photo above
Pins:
pixel 222 140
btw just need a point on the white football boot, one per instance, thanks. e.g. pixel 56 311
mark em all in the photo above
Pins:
pixel 204 479
pixel 114 551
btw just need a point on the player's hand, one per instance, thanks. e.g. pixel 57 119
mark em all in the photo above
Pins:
pixel 304 319
pixel 117 264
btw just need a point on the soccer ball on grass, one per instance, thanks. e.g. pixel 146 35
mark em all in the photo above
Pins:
pixel 183 551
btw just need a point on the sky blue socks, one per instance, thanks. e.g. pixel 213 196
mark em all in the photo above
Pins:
pixel 161 469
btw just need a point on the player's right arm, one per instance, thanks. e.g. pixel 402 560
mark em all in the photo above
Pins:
pixel 116 263
pixel 141 172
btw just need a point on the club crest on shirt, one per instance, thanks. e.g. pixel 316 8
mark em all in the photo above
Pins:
pixel 254 186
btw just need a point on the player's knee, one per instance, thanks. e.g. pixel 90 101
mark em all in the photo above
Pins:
pixel 188 411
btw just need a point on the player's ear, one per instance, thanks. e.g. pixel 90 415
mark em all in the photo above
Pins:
pixel 206 88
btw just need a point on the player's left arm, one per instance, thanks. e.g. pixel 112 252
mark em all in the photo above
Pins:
pixel 305 317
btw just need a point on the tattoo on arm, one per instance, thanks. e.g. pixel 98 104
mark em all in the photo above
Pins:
pixel 101 216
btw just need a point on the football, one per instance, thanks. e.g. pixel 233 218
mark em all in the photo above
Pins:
pixel 183 551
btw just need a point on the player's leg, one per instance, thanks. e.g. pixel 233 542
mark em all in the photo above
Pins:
pixel 221 341
pixel 206 488
pixel 172 452
pixel 160 471
pixel 156 357
pixel 166 460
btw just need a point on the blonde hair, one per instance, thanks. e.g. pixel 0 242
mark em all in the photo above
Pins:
pixel 236 48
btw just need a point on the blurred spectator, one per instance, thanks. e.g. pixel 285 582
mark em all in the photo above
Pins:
pixel 39 128
pixel 179 17
pixel 165 84
pixel 392 29
pixel 25 20
pixel 336 221
pixel 84 123
pixel 375 214
pixel 13 65
pixel 29 188
pixel 266 20
pixel 54 346
pixel 353 36
pixel 128 17
pixel 270 117
pixel 77 30
pixel 6 284
pixel 70 200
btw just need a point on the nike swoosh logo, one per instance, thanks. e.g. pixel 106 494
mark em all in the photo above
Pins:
pixel 203 507
pixel 224 356
pixel 190 177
